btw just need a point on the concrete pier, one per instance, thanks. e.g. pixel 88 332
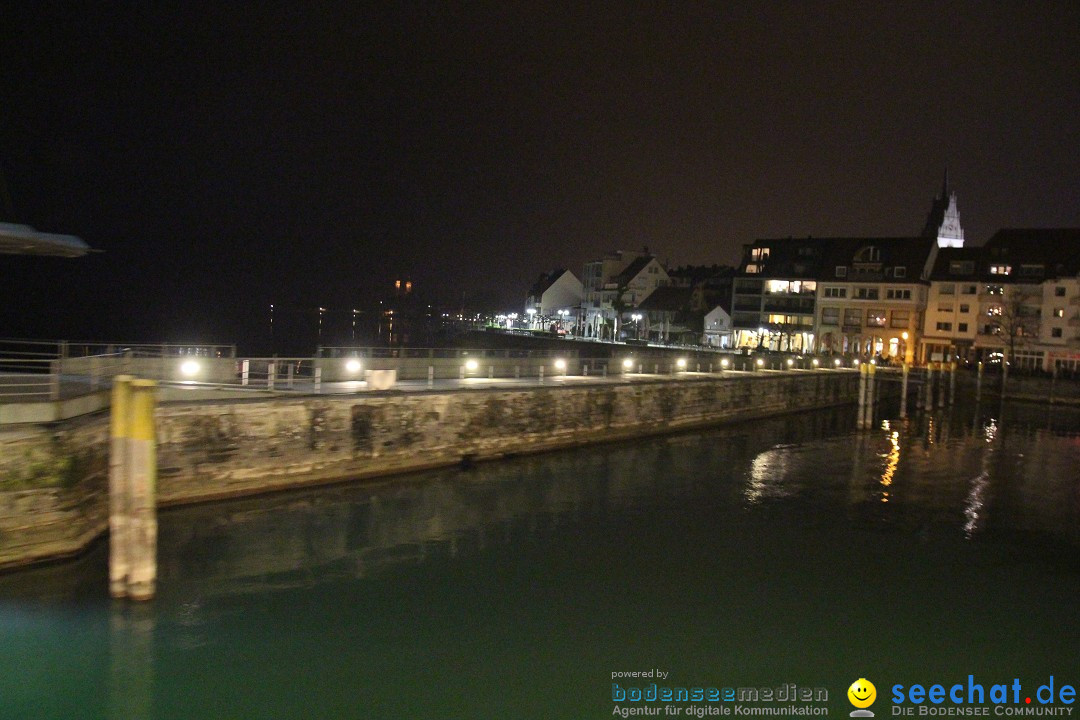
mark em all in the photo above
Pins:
pixel 236 447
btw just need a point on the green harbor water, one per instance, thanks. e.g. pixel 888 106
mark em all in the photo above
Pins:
pixel 793 550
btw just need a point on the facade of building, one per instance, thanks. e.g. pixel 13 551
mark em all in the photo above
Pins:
pixel 614 285
pixel 554 300
pixel 859 296
pixel 1016 298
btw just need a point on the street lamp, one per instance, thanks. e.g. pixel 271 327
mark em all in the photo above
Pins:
pixel 636 317
pixel 532 317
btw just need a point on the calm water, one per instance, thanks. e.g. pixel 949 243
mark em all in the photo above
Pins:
pixel 795 550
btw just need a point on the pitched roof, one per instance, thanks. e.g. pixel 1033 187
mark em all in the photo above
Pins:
pixel 667 299
pixel 631 271
pixel 545 281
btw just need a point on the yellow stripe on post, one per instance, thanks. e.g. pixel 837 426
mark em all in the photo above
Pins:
pixel 142 410
pixel 121 399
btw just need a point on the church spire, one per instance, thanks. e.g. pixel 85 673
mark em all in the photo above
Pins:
pixel 943 222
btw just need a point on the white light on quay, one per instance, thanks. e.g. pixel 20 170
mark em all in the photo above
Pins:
pixel 681 362
pixel 627 364
pixel 189 368
pixel 352 365
pixel 471 365
pixel 560 364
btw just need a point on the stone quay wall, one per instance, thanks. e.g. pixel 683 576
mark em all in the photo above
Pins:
pixel 53 477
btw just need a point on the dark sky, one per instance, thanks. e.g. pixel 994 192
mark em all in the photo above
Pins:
pixel 229 155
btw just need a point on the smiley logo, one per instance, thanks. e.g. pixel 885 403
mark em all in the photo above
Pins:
pixel 862 693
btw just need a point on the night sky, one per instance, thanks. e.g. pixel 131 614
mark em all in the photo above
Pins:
pixel 226 156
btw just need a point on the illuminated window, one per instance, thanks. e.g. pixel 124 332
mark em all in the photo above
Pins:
pixel 1000 269
pixel 752 269
pixel 759 253
pixel 1059 312
pixel 875 318
pixel 778 286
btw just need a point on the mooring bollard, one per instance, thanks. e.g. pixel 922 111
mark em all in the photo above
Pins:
pixel 245 372
pixel 491 371
pixel 119 563
pixel 941 385
pixel 142 485
pixel 903 392
pixel 862 396
pixel 271 374
pixel 431 376
pixel 952 383
pixel 978 381
pixel 318 380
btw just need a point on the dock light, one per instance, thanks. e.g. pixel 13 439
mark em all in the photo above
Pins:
pixel 836 362
pixel 681 363
pixel 815 362
pixel 904 335
pixel 627 364
pixel 724 363
pixel 189 368
pixel 855 363
pixel 760 362
pixel 471 365
pixel 873 361
pixel 790 362
pixel 560 364
pixel 352 365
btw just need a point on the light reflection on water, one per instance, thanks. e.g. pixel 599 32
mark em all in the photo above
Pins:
pixel 745 555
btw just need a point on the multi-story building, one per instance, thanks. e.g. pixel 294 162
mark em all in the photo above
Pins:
pixel 860 296
pixel 555 299
pixel 1016 298
pixel 616 284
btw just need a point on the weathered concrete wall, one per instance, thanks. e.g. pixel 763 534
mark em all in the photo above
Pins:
pixel 52 478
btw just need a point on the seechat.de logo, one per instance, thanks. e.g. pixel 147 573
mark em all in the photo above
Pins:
pixel 862 695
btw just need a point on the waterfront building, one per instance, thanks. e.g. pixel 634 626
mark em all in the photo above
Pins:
pixel 555 299
pixel 862 296
pixel 614 286
pixel 1016 298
